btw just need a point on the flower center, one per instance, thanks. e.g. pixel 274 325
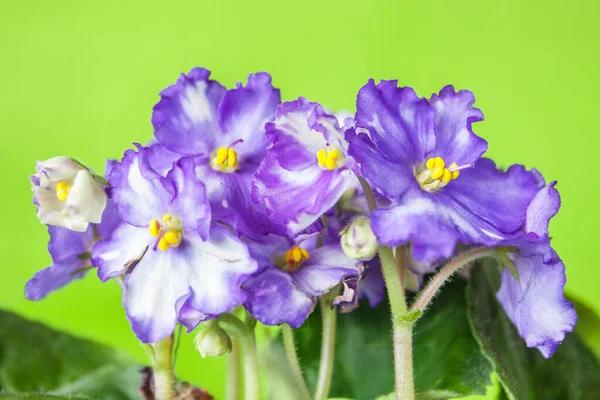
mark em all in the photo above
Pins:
pixel 434 175
pixel 330 158
pixel 225 159
pixel 294 258
pixel 62 191
pixel 169 232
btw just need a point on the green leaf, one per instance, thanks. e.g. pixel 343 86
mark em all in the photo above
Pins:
pixel 34 396
pixel 37 359
pixel 572 373
pixel 447 359
pixel 588 326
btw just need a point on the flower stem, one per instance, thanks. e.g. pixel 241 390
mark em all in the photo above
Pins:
pixel 434 285
pixel 329 317
pixel 245 334
pixel 234 373
pixel 402 330
pixel 290 350
pixel 160 356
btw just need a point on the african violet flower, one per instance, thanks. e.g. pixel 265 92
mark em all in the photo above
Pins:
pixel 423 156
pixel 71 252
pixel 306 171
pixel 166 248
pixel 535 301
pixel 66 194
pixel 292 276
pixel 225 130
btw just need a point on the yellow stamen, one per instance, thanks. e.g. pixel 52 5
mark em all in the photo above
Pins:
pixel 430 163
pixel 62 191
pixel 330 163
pixel 322 157
pixel 297 254
pixel 154 227
pixel 447 177
pixel 167 217
pixel 437 172
pixel 231 158
pixel 163 244
pixel 305 254
pixel 172 238
pixel 333 154
pixel 455 174
pixel 439 162
pixel 222 155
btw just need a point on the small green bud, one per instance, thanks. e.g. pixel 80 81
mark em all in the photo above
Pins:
pixel 212 341
pixel 358 240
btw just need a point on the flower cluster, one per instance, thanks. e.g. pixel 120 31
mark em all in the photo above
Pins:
pixel 241 199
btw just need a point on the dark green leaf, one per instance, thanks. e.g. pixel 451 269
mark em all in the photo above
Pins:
pixel 588 326
pixel 37 359
pixel 572 373
pixel 34 396
pixel 448 362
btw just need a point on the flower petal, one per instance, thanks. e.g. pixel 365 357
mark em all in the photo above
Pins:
pixel 542 208
pixel 273 299
pixel 140 194
pixel 399 122
pixel 54 277
pixel 536 303
pixel 325 268
pixel 372 285
pixel 66 244
pixel 245 110
pixel 455 140
pixel 87 199
pixel 161 160
pixel 185 119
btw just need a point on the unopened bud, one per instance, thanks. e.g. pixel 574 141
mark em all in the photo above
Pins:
pixel 213 341
pixel 358 240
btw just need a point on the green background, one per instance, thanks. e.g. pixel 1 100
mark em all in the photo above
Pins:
pixel 79 78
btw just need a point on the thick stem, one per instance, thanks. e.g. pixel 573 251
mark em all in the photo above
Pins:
pixel 434 285
pixel 329 317
pixel 233 389
pixel 245 334
pixel 162 369
pixel 290 350
pixel 402 330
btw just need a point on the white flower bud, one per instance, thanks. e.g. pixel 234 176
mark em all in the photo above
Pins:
pixel 213 341
pixel 358 240
pixel 67 194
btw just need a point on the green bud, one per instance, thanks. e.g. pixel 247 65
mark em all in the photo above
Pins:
pixel 358 240
pixel 212 341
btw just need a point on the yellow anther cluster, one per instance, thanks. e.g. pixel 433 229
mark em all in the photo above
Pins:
pixel 170 231
pixel 62 191
pixel 330 159
pixel 436 175
pixel 225 160
pixel 294 258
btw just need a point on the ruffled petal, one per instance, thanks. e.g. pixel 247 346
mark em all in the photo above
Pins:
pixel 536 303
pixel 372 285
pixel 140 194
pixel 391 179
pixel 401 124
pixel 219 266
pixel 110 220
pixel 245 110
pixel 66 244
pixel 273 299
pixel 298 198
pixel 116 255
pixel 185 119
pixel 455 140
pixel 189 202
pixel 54 277
pixel 161 160
pixel 325 268
pixel 542 208
pixel 297 134
pixel 87 199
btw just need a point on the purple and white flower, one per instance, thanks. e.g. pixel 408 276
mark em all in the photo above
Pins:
pixel 166 248
pixel 307 169
pixel 535 302
pixel 423 156
pixel 66 194
pixel 224 129
pixel 292 276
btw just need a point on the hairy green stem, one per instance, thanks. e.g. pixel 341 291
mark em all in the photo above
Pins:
pixel 234 373
pixel 160 356
pixel 329 317
pixel 434 285
pixel 244 332
pixel 290 350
